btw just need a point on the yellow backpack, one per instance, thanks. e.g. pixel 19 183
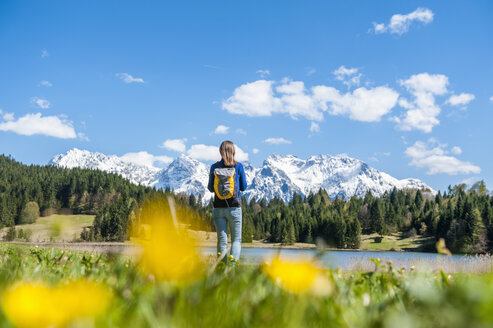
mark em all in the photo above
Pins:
pixel 224 182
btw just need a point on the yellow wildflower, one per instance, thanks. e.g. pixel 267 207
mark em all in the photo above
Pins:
pixel 36 304
pixel 298 276
pixel 169 254
pixel 442 248
pixel 83 298
pixel 26 305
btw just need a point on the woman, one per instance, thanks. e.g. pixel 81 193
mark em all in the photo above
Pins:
pixel 226 180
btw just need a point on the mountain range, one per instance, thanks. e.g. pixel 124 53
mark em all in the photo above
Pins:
pixel 280 176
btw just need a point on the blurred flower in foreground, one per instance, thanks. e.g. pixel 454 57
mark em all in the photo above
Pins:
pixel 35 304
pixel 442 248
pixel 298 276
pixel 168 252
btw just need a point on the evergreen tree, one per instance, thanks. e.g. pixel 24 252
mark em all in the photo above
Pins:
pixel 376 218
pixel 418 200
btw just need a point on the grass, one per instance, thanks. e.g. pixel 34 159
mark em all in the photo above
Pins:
pixel 245 296
pixel 21 249
pixel 68 227
pixel 396 242
pixel 393 242
pixel 56 227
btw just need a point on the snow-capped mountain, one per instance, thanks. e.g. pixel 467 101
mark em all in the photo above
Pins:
pixel 279 176
pixel 186 175
pixel 340 176
pixel 138 174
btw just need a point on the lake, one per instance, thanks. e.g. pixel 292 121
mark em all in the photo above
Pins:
pixel 344 259
pixel 360 260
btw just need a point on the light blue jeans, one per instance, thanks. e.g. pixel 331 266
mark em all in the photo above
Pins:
pixel 223 216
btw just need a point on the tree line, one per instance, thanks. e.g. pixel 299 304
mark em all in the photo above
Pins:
pixel 28 191
pixel 463 217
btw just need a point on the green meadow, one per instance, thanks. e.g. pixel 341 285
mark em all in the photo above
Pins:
pixel 245 296
pixel 55 227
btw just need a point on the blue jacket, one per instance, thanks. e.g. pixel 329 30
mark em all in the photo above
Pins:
pixel 240 183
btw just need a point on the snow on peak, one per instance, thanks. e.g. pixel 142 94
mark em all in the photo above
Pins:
pixel 137 174
pixel 280 176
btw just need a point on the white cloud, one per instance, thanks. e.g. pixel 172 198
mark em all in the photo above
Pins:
pixel 314 127
pixel 471 180
pixel 491 99
pixel 212 66
pixel 263 72
pixel 297 102
pixel 366 105
pixel 291 97
pixel 462 99
pixel 82 136
pixel 204 152
pixel 342 72
pixel 253 99
pixel 241 131
pixel 348 76
pixel 221 129
pixel 175 145
pixel 424 82
pixel 7 116
pixel 399 24
pixel 31 124
pixel 240 155
pixel 255 150
pixel 422 112
pixel 45 83
pixel 310 71
pixel 44 53
pixel 433 156
pixel 456 150
pixel 41 103
pixel 379 28
pixel 143 158
pixel 277 141
pixel 127 78
pixel 353 80
pixel 211 153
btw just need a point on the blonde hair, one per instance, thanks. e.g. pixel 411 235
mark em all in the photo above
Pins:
pixel 227 151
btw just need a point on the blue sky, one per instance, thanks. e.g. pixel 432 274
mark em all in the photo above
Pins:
pixel 404 86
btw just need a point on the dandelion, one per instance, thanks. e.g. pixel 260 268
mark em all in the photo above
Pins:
pixel 83 298
pixel 26 305
pixel 442 248
pixel 35 304
pixel 169 254
pixel 298 276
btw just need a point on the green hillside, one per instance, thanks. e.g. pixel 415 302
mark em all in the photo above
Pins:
pixel 54 228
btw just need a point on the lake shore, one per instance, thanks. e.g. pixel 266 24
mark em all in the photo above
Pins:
pixel 103 246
